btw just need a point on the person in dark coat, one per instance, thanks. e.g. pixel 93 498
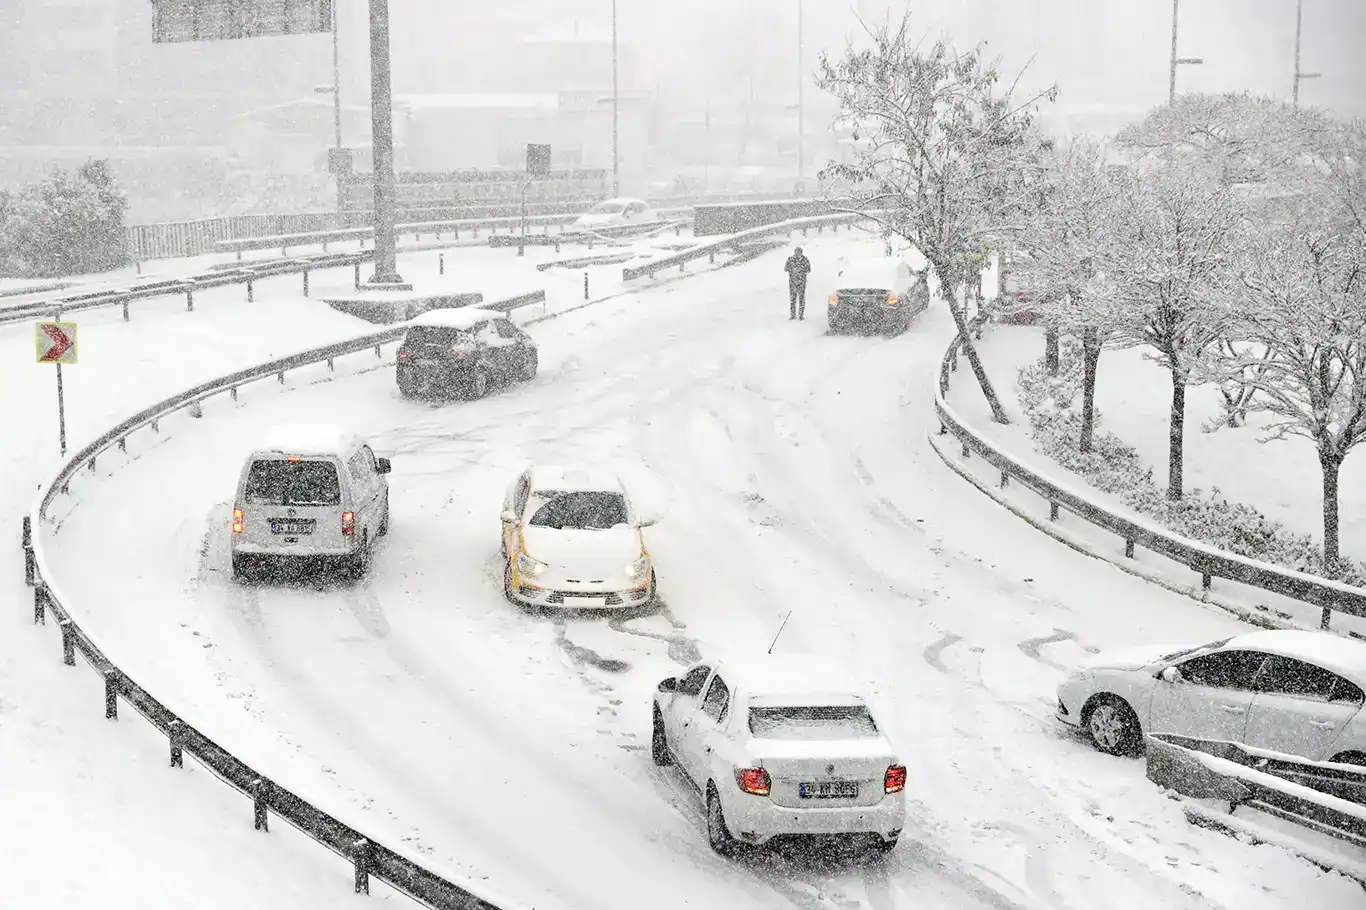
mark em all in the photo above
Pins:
pixel 797 268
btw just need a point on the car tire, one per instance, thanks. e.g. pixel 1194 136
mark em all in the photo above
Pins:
pixel 1113 726
pixel 659 743
pixel 384 522
pixel 243 568
pixel 530 363
pixel 359 562
pixel 478 384
pixel 507 582
pixel 718 835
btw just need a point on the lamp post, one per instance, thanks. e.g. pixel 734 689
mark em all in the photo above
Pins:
pixel 382 151
pixel 335 91
pixel 1194 61
pixel 1299 76
pixel 616 103
pixel 801 118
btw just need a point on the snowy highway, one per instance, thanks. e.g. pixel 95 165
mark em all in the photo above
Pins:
pixel 793 473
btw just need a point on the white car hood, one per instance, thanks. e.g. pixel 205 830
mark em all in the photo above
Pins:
pixel 1132 658
pixel 620 543
pixel 596 220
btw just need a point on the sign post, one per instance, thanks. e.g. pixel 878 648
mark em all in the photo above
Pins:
pixel 56 343
pixel 537 165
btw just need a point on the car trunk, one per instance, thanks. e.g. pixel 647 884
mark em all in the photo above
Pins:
pixel 797 768
pixel 291 503
pixel 436 344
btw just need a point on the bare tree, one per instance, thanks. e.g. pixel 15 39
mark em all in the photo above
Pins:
pixel 943 145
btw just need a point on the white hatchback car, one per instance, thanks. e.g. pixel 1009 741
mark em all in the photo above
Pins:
pixel 572 539
pixel 309 494
pixel 617 213
pixel 780 745
pixel 1298 693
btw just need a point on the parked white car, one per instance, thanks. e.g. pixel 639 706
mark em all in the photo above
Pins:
pixel 624 211
pixel 1298 693
pixel 572 539
pixel 310 493
pixel 780 745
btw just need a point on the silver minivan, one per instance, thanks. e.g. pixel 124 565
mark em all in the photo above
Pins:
pixel 320 495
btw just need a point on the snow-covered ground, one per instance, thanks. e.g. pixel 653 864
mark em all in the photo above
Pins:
pixel 797 477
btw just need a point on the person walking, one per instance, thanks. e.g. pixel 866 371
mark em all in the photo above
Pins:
pixel 797 268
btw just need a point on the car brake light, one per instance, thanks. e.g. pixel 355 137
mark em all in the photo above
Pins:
pixel 834 299
pixel 238 521
pixel 893 300
pixel 293 459
pixel 459 355
pixel 894 781
pixel 402 355
pixel 753 780
pixel 348 522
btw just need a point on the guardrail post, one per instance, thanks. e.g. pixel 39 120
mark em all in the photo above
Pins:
pixel 111 694
pixel 360 855
pixel 1205 580
pixel 358 274
pixel 1052 511
pixel 585 285
pixel 1129 551
pixel 557 244
pixel 26 541
pixel 124 301
pixel 284 252
pixel 40 604
pixel 305 282
pixel 260 794
pixel 189 297
pixel 68 642
pixel 137 263
pixel 1005 479
pixel 251 290
pixel 196 410
pixel 176 733
pixel 331 365
pixel 711 257
pixel 967 453
pixel 281 376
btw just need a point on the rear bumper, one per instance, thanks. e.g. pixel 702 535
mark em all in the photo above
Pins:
pixel 440 376
pixel 293 551
pixel 868 316
pixel 756 819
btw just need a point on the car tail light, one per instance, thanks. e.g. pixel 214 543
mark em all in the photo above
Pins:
pixel 753 780
pixel 894 781
pixel 348 522
pixel 238 521
pixel 834 299
pixel 402 355
pixel 893 300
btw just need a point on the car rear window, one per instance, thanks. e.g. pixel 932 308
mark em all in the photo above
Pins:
pixel 815 722
pixel 293 483
pixel 436 336
pixel 580 510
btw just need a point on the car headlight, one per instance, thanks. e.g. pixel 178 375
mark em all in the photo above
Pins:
pixel 528 566
pixel 639 568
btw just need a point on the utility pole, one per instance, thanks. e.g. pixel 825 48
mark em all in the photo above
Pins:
pixel 801 113
pixel 1171 91
pixel 382 151
pixel 616 104
pixel 336 99
pixel 1299 76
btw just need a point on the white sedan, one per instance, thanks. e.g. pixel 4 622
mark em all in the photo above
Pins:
pixel 618 213
pixel 780 746
pixel 1293 692
pixel 572 539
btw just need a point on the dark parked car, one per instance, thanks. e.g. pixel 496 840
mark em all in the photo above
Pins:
pixel 877 295
pixel 463 351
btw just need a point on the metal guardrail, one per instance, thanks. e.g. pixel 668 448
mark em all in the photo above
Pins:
pixel 711 248
pixel 1209 562
pixel 405 872
pixel 186 284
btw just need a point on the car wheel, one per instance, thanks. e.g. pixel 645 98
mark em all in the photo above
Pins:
pixel 529 365
pixel 479 384
pixel 507 581
pixel 243 568
pixel 718 835
pixel 384 522
pixel 360 561
pixel 1349 758
pixel 659 743
pixel 1114 726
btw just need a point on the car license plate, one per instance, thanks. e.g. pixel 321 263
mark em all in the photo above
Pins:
pixel 292 526
pixel 829 789
pixel 584 603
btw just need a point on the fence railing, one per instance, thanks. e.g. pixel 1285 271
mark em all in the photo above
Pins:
pixel 1207 561
pixel 711 248
pixel 401 870
pixel 54 307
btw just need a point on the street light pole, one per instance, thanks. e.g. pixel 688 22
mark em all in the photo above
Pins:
pixel 382 150
pixel 801 112
pixel 1299 76
pixel 336 99
pixel 616 103
pixel 1176 61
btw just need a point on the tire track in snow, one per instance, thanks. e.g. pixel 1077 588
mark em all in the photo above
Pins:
pixel 1031 647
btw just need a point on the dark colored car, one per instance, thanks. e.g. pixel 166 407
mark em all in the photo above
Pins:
pixel 464 351
pixel 878 295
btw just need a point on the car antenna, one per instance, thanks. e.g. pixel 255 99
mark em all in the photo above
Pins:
pixel 780 631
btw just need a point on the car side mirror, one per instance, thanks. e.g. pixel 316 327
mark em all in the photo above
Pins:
pixel 383 465
pixel 646 522
pixel 669 685
pixel 1170 675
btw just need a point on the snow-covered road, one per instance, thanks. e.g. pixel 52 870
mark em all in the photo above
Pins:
pixel 797 477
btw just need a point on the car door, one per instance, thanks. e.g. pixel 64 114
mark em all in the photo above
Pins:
pixel 1299 708
pixel 514 346
pixel 1211 697
pixel 378 487
pixel 515 502
pixel 361 485
pixel 684 704
pixel 698 741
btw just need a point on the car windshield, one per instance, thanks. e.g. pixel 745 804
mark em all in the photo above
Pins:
pixel 813 723
pixel 293 483
pixel 436 336
pixel 1206 647
pixel 580 510
pixel 607 208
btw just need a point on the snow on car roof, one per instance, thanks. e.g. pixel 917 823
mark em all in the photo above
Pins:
pixel 791 676
pixel 463 317
pixel 1343 656
pixel 883 269
pixel 306 440
pixel 574 478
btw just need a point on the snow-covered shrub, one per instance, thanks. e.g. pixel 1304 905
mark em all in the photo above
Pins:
pixel 1050 405
pixel 69 224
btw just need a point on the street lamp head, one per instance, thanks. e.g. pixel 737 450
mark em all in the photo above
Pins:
pixel 324 89
pixel 1191 60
